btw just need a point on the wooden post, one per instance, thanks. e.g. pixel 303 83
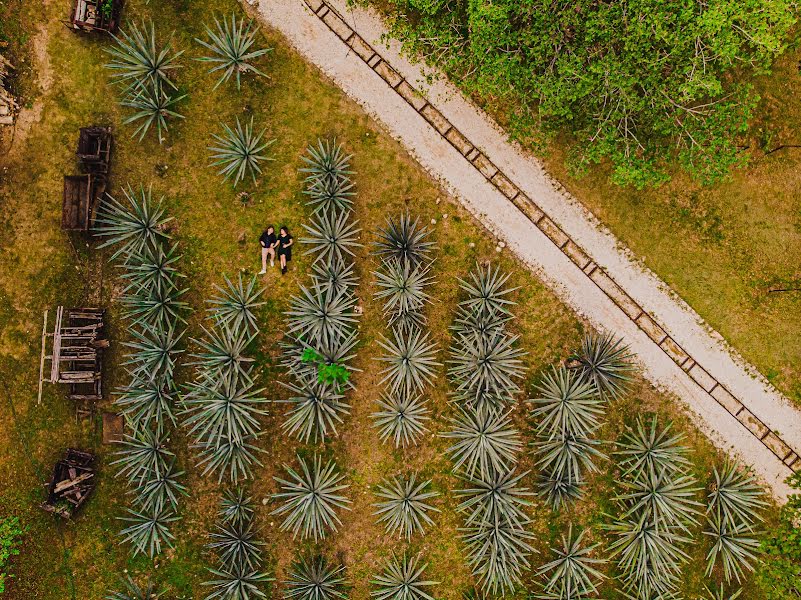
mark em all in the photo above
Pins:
pixel 42 359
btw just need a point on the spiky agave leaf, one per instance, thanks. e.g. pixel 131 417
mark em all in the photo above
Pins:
pixel 404 509
pixel 402 580
pixel 152 105
pixel 142 453
pixel 223 352
pixel 311 498
pixel 133 591
pixel 495 498
pixel 606 362
pixel 666 499
pixel 151 267
pixel 327 162
pixel 153 351
pixel 735 497
pixel 234 458
pixel 138 58
pixel 134 228
pixel 401 418
pixel 321 317
pixel 733 546
pixel 486 290
pixel 331 236
pixel 646 448
pixel 649 558
pixel 149 529
pixel 566 404
pixel 401 286
pixel 572 574
pixel 498 555
pixel 317 408
pixel 484 442
pixel 485 368
pixel 223 411
pixel 329 196
pixel 314 579
pixel 404 240
pixel 160 490
pixel 147 403
pixel 236 507
pixel 719 593
pixel 231 46
pixel 237 585
pixel 235 304
pixel 411 361
pixel 154 308
pixel 236 546
pixel 239 152
pixel 336 276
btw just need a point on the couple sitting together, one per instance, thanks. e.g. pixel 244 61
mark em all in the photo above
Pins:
pixel 270 245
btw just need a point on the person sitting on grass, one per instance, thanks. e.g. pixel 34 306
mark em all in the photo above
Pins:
pixel 285 242
pixel 268 243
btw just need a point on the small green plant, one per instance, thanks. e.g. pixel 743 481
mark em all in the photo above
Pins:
pixel 10 532
pixel 779 573
pixel 334 373
pixel 106 9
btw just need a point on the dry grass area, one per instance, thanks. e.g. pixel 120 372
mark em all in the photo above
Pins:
pixel 40 267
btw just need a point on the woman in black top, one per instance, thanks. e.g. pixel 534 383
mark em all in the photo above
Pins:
pixel 268 243
pixel 285 242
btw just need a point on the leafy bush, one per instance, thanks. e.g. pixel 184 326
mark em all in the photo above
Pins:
pixel 779 574
pixel 10 532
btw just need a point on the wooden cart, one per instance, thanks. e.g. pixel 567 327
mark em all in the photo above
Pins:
pixel 79 201
pixel 94 149
pixel 72 482
pixel 96 15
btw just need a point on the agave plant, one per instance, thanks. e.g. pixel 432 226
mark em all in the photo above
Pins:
pixel 321 317
pixel 329 196
pixel 563 460
pixel 566 405
pixel 337 351
pixel 484 442
pixel 401 418
pixel 646 449
pixel 237 585
pixel 572 574
pixel 475 321
pixel 236 507
pixel 146 403
pixel 152 105
pixel 411 361
pixel 154 308
pixel 331 237
pixel 237 547
pixel 234 458
pixel 223 352
pixel 494 500
pixel 133 591
pixel 149 529
pixel 487 292
pixel 404 509
pixel 733 546
pixel 152 268
pixel 719 593
pixel 485 368
pixel 134 228
pixel 239 152
pixel 327 162
pixel 404 240
pixel 735 497
pixel 234 306
pixel 137 58
pixel 223 411
pixel 153 352
pixel 605 362
pixel 402 580
pixel 160 490
pixel 231 46
pixel 311 498
pixel 666 500
pixel 314 579
pixel 317 408
pixel 402 288
pixel 498 555
pixel 142 454
pixel 336 277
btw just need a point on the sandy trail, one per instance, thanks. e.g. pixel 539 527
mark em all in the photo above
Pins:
pixel 722 369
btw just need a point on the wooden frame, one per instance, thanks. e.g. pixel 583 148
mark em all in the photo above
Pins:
pixel 94 149
pixel 89 16
pixel 71 484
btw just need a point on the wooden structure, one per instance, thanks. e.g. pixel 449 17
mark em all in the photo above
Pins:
pixel 76 354
pixel 94 149
pixel 8 104
pixel 83 192
pixel 96 15
pixel 72 482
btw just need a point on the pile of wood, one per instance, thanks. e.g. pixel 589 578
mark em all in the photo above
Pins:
pixel 82 193
pixel 8 104
pixel 72 483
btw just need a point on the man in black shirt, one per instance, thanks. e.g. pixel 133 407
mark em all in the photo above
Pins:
pixel 268 243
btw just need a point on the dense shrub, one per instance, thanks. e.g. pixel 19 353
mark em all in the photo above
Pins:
pixel 779 575
pixel 10 532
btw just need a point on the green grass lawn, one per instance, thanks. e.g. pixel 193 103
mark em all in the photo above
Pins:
pixel 42 268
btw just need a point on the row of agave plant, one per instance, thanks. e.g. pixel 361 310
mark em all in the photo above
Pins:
pixel 151 301
pixel 144 68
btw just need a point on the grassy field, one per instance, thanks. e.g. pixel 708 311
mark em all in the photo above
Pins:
pixel 42 268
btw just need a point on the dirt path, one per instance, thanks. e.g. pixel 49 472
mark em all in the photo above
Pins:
pixel 512 195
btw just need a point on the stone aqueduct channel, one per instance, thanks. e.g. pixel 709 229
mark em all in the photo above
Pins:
pixel 549 231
